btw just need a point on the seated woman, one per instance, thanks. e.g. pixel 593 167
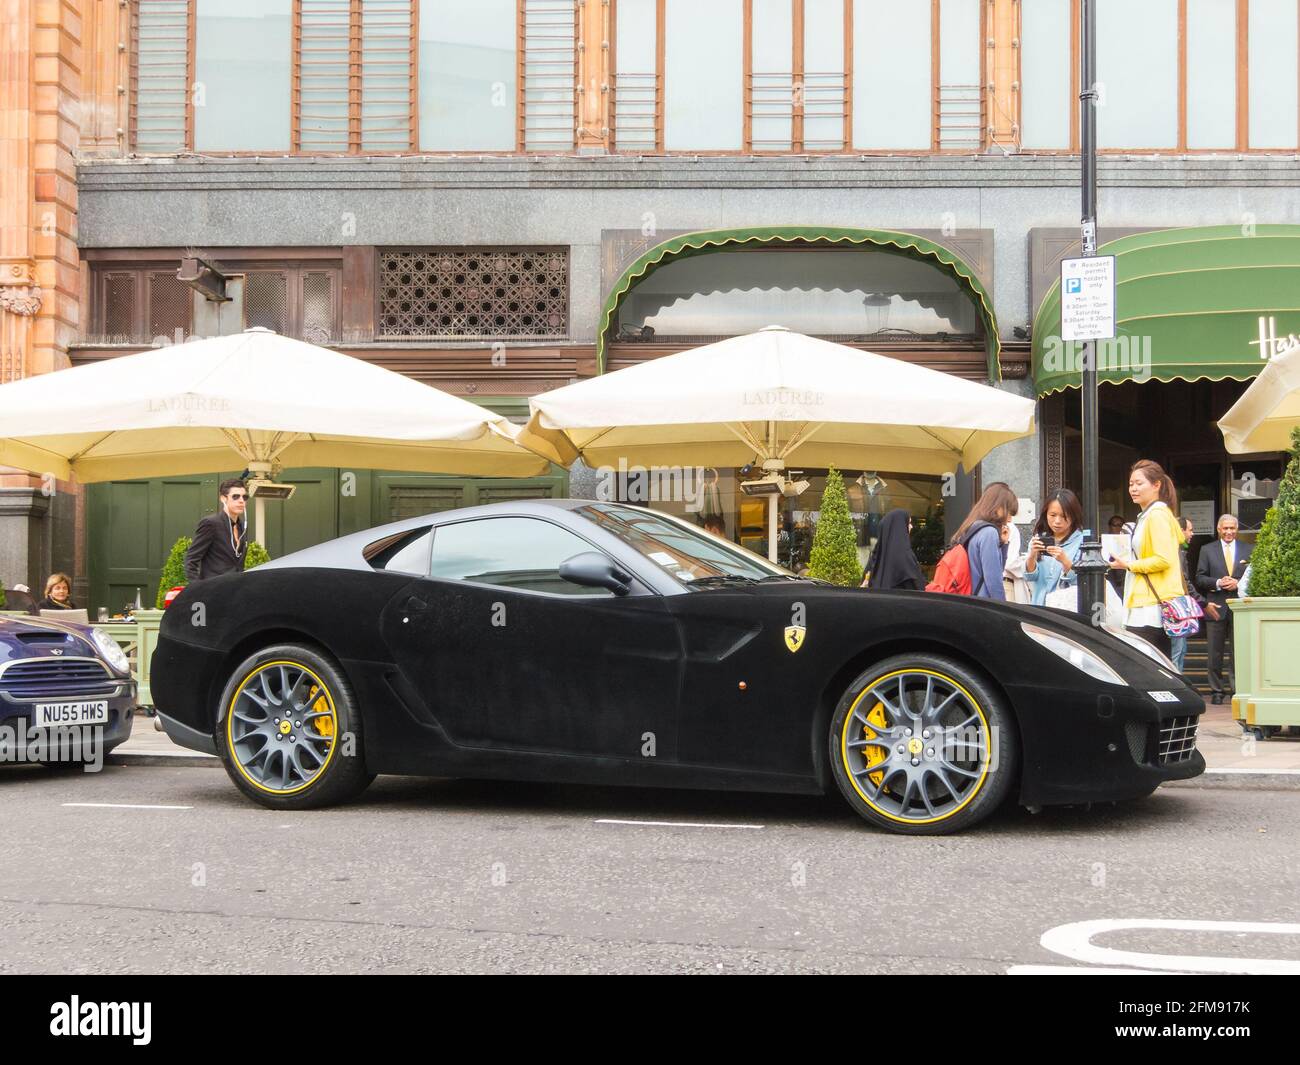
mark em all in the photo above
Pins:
pixel 892 565
pixel 58 593
pixel 1048 567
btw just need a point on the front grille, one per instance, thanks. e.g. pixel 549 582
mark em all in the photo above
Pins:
pixel 56 678
pixel 1177 740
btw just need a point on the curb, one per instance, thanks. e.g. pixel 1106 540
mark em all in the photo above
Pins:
pixel 1242 780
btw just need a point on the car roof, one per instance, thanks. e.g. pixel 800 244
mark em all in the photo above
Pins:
pixel 346 551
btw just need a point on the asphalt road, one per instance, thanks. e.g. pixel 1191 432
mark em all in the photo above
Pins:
pixel 454 876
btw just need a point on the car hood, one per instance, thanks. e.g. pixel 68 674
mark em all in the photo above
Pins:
pixel 995 620
pixel 31 637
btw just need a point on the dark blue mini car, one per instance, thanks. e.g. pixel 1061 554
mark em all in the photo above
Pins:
pixel 66 693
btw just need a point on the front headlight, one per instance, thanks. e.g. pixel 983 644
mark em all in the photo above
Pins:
pixel 1138 644
pixel 1074 653
pixel 111 650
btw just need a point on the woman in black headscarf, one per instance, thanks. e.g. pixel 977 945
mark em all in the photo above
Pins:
pixel 893 566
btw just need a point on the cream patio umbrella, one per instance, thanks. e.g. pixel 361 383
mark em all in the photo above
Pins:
pixel 777 399
pixel 1262 419
pixel 254 399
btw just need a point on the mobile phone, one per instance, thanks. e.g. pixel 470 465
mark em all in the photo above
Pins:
pixel 1047 540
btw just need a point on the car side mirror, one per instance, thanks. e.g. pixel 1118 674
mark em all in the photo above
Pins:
pixel 591 569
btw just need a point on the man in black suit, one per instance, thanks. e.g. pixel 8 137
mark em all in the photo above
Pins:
pixel 1218 569
pixel 220 542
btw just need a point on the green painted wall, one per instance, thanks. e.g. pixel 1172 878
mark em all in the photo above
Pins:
pixel 131 525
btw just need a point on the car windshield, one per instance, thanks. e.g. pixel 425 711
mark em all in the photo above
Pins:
pixel 696 558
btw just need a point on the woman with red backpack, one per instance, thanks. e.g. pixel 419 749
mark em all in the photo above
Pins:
pixel 977 553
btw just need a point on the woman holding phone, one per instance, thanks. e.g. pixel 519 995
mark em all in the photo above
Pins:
pixel 1054 546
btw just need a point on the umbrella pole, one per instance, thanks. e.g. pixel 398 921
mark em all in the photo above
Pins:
pixel 771 526
pixel 259 520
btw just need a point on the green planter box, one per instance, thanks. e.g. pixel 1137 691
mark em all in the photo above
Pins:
pixel 1266 638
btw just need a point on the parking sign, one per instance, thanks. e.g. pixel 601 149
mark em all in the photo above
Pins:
pixel 1088 298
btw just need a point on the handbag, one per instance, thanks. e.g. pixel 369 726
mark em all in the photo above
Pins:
pixel 1180 615
pixel 1063 597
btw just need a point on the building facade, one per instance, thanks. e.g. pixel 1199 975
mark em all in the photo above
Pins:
pixel 499 198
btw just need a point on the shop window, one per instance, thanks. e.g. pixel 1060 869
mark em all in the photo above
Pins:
pixel 635 106
pixel 1212 73
pixel 481 293
pixel 467 75
pixel 242 52
pixel 354 70
pixel 143 305
pixel 1046 75
pixel 823 79
pixel 893 103
pixel 703 75
pixel 388 69
pixel 847 295
pixel 549 65
pixel 1137 67
pixel 160 76
pixel 1273 54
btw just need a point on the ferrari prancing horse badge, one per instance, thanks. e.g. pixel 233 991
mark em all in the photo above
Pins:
pixel 794 635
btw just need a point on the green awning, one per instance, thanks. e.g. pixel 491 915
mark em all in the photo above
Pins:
pixel 1190 304
pixel 706 241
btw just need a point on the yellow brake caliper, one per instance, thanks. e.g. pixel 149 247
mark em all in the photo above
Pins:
pixel 875 755
pixel 324 725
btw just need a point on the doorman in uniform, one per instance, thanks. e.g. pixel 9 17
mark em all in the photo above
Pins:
pixel 1218 570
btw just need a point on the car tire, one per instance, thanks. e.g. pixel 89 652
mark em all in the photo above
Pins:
pixel 281 716
pixel 955 767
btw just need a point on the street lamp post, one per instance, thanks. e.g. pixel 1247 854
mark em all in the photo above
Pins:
pixel 1091 565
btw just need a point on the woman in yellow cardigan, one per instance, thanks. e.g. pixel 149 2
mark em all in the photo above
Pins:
pixel 1155 571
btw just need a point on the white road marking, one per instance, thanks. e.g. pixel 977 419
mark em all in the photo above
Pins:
pixel 1258 772
pixel 669 824
pixel 126 806
pixel 1082 970
pixel 1075 941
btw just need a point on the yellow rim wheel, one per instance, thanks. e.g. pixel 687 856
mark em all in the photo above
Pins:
pixel 280 727
pixel 923 750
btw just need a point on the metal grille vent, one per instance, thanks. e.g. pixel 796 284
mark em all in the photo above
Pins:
pixel 1177 740
pixel 119 308
pixel 317 306
pixel 170 302
pixel 511 495
pixel 410 501
pixel 266 301
pixel 482 294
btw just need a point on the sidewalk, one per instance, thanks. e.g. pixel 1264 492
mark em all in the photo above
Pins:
pixel 1227 750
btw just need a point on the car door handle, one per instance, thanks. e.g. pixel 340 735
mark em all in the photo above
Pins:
pixel 413 605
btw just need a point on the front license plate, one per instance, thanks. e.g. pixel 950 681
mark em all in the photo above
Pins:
pixel 55 715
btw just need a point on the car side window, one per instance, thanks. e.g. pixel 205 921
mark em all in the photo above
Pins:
pixel 404 552
pixel 520 553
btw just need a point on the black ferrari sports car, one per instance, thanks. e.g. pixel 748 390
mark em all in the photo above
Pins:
pixel 580 641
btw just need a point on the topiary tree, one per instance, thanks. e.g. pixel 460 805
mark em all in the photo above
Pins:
pixel 835 544
pixel 2 596
pixel 173 571
pixel 256 555
pixel 1275 562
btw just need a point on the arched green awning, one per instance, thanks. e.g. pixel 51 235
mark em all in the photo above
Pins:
pixel 1190 304
pixel 712 240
